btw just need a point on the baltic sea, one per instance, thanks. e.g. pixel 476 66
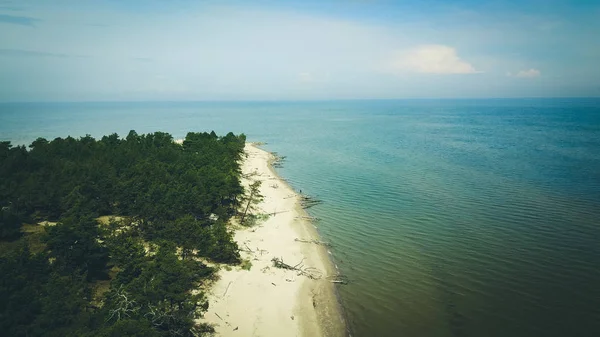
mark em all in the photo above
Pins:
pixel 449 217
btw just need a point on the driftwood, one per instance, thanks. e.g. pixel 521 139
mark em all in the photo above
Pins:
pixel 221 318
pixel 278 263
pixel 250 175
pixel 316 242
pixel 309 272
pixel 308 201
pixel 247 249
pixel 338 279
pixel 277 160
pixel 309 218
pixel 225 293
pixel 256 251
pixel 124 305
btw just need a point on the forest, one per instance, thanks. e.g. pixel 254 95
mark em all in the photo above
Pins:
pixel 111 237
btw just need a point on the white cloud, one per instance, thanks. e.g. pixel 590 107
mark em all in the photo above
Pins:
pixel 531 73
pixel 218 52
pixel 432 59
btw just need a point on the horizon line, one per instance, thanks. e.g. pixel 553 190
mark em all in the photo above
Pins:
pixel 301 100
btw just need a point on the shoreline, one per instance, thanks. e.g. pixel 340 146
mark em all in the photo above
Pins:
pixel 268 301
pixel 334 311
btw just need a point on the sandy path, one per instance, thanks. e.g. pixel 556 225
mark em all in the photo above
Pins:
pixel 267 301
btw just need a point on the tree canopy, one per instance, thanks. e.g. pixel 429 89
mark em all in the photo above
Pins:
pixel 136 274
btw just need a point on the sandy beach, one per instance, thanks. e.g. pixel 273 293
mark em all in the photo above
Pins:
pixel 268 301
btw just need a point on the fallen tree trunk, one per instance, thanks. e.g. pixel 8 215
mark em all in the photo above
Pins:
pixel 316 242
pixel 309 272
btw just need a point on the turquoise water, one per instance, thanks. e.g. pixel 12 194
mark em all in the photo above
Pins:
pixel 450 218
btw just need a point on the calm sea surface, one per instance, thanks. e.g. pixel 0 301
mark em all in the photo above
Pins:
pixel 450 217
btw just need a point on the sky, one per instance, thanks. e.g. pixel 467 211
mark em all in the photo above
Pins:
pixel 136 50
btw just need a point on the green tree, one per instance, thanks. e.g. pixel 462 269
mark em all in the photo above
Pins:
pixel 177 199
pixel 10 224
pixel 74 243
pixel 163 291
pixel 63 307
pixel 21 289
pixel 129 328
pixel 254 197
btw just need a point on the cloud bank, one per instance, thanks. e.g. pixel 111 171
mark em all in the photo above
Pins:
pixel 530 73
pixel 74 50
pixel 432 59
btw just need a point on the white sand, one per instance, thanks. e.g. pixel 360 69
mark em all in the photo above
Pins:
pixel 267 301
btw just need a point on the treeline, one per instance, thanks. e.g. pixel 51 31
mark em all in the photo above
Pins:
pixel 133 276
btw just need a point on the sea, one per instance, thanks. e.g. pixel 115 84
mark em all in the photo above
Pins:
pixel 450 218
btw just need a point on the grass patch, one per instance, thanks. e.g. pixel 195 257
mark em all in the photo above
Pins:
pixel 100 288
pixel 32 229
pixel 36 244
pixel 254 219
pixel 32 235
pixel 246 264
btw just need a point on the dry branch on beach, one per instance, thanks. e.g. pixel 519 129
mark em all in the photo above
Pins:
pixel 310 272
pixel 308 201
pixel 277 160
pixel 316 242
pixel 309 218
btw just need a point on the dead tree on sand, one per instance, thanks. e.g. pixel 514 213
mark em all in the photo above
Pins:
pixel 254 197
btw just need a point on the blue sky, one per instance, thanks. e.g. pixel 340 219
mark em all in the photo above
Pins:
pixel 277 50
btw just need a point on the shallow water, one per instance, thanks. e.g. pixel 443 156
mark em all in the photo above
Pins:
pixel 450 217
